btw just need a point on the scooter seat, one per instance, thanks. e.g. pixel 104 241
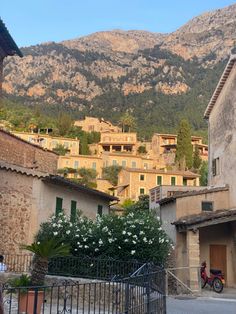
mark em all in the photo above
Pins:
pixel 215 271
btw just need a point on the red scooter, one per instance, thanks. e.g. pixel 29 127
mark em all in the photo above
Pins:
pixel 216 279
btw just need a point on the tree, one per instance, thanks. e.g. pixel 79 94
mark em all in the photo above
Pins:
pixel 64 123
pixel 111 173
pixel 184 149
pixel 127 122
pixel 204 173
pixel 83 145
pixel 196 159
pixel 60 149
pixel 142 150
pixel 142 205
pixel 88 177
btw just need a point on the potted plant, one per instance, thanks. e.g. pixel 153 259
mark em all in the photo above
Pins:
pixel 43 252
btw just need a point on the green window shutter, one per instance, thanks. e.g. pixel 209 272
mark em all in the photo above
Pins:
pixel 73 211
pixel 99 212
pixel 173 181
pixel 159 180
pixel 59 202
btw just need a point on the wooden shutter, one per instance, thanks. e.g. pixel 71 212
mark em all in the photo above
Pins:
pixel 73 211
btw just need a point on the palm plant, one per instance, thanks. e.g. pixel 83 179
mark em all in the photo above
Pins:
pixel 43 251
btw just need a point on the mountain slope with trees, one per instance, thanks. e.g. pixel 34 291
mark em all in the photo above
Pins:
pixel 157 78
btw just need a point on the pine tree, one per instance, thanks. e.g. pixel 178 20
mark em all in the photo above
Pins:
pixel 196 159
pixel 184 149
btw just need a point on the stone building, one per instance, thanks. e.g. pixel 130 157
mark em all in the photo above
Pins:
pixel 29 197
pixel 50 142
pixel 204 222
pixel 7 48
pixel 19 152
pixel 90 124
pixel 134 182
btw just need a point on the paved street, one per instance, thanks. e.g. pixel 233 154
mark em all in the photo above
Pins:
pixel 201 306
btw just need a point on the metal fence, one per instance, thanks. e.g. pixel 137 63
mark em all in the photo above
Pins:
pixel 71 266
pixel 140 294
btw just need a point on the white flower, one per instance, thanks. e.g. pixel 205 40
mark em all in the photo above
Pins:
pixel 59 221
pixel 78 243
pixel 38 242
pixel 141 232
pixel 160 228
pixel 86 246
pixel 80 246
pixel 129 233
pixel 54 225
pixel 126 240
pixel 96 250
pixel 105 229
pixel 124 232
pixel 134 236
pixel 55 233
pixel 110 240
pixel 100 242
pixel 167 241
pixel 119 247
pixel 150 241
pixel 144 239
pixel 68 232
pixel 134 242
pixel 71 224
pixel 75 249
pixel 132 252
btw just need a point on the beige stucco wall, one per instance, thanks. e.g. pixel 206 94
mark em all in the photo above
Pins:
pixel 50 142
pixel 45 195
pixel 222 137
pixel 26 202
pixel 219 234
pixel 149 182
pixel 193 204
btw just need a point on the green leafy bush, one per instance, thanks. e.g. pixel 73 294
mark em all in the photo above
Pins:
pixel 134 236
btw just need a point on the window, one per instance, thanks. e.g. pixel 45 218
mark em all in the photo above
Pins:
pixel 142 191
pixel 59 202
pixel 141 177
pixel 76 164
pixel 145 165
pixel 124 163
pixel 73 211
pixel 94 165
pixel 173 180
pixel 216 166
pixel 133 165
pixel 185 182
pixel 207 206
pixel 99 211
pixel 159 180
pixel 114 162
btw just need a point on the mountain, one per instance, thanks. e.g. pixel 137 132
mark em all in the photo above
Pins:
pixel 159 78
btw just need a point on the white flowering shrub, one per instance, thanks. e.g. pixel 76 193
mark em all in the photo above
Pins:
pixel 135 236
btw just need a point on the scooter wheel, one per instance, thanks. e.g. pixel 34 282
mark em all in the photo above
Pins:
pixel 217 285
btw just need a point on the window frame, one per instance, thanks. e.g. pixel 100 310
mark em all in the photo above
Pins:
pixel 59 205
pixel 173 177
pixel 100 210
pixel 73 210
pixel 159 176
pixel 142 175
pixel 207 203
pixel 144 191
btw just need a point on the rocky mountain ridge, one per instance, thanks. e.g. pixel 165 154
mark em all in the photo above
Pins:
pixel 113 70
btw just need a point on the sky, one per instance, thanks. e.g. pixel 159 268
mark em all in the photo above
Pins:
pixel 32 22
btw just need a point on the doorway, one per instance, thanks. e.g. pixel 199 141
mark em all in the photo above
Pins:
pixel 218 259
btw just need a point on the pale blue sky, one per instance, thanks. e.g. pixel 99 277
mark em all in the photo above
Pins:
pixel 34 21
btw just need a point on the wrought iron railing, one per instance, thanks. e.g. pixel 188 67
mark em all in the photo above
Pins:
pixel 84 267
pixel 137 295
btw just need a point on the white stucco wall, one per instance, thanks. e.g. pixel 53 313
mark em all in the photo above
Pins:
pixel 45 195
pixel 167 216
pixel 222 137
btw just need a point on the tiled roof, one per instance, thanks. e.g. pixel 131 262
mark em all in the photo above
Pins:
pixel 54 179
pixel 7 43
pixel 58 180
pixel 204 217
pixel 220 86
pixel 22 170
pixel 180 194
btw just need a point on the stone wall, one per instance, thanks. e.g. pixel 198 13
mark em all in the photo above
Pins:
pixel 15 210
pixel 16 151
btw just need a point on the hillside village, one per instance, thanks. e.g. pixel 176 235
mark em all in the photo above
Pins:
pixel 46 176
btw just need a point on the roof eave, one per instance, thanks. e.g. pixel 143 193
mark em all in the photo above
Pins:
pixel 220 86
